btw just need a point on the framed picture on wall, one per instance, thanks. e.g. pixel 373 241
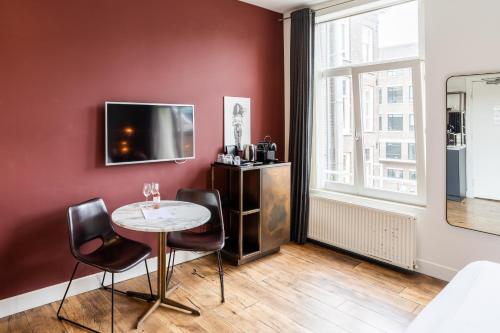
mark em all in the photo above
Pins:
pixel 237 121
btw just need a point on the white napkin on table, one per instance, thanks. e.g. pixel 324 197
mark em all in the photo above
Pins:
pixel 151 213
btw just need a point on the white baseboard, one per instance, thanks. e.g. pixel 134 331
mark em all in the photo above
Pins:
pixel 435 270
pixel 33 299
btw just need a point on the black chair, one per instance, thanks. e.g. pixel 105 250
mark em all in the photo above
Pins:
pixel 89 221
pixel 211 239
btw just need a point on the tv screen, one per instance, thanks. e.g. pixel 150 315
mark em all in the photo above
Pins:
pixel 142 132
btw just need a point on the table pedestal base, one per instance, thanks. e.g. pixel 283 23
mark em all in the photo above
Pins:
pixel 162 299
pixel 169 304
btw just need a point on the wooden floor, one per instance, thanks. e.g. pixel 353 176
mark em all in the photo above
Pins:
pixel 301 289
pixel 476 214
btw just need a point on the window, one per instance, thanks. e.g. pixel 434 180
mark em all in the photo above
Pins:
pixel 368 109
pixel 393 150
pixel 410 94
pixel 412 175
pixel 412 155
pixel 395 73
pixel 395 122
pixel 344 32
pixel 394 95
pixel 353 150
pixel 368 154
pixel 367 44
pixel 395 173
pixel 335 125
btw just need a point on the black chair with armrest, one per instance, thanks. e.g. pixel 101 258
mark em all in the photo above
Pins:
pixel 211 239
pixel 89 221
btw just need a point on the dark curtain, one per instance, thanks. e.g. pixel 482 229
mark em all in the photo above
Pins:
pixel 301 104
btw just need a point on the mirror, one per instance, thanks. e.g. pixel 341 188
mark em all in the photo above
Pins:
pixel 473 152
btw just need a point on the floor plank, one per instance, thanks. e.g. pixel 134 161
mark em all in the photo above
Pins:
pixel 301 289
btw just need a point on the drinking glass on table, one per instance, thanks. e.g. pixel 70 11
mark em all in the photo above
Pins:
pixel 146 190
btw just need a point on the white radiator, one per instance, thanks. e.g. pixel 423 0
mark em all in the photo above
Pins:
pixel 379 234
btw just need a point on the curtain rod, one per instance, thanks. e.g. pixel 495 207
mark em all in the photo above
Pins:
pixel 323 8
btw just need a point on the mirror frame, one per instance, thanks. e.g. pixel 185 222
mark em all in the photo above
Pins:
pixel 446 144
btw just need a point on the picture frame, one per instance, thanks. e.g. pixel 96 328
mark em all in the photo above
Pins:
pixel 237 121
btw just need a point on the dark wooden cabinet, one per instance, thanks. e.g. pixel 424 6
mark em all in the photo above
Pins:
pixel 256 208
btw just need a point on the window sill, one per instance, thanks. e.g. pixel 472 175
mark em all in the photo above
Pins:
pixel 388 205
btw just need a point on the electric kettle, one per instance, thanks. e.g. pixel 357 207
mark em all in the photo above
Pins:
pixel 250 152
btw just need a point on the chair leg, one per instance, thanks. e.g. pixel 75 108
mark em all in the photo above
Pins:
pixel 112 302
pixel 221 276
pixel 102 281
pixel 64 298
pixel 67 288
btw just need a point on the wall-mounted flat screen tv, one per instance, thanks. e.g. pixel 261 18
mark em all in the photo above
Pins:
pixel 144 132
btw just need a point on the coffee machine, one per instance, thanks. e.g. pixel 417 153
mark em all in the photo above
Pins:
pixel 266 150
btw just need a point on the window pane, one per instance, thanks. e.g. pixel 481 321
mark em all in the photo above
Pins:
pixel 335 127
pixel 393 150
pixel 385 34
pixel 395 173
pixel 395 122
pixel 394 94
pixel 394 153
pixel 411 152
pixel 411 122
pixel 368 116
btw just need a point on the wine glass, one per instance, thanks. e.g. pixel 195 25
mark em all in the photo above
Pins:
pixel 146 190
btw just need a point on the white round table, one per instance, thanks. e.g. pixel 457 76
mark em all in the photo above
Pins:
pixel 170 216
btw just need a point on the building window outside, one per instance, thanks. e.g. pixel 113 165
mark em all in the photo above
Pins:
pixel 367 44
pixel 368 109
pixel 395 122
pixel 395 73
pixel 412 155
pixel 395 173
pixel 368 154
pixel 412 175
pixel 411 121
pixel 393 150
pixel 394 95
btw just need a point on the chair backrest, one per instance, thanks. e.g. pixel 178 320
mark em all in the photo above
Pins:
pixel 87 221
pixel 209 199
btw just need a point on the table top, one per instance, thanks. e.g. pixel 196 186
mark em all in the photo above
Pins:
pixel 181 216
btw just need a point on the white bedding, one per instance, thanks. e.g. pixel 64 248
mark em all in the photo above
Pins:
pixel 469 303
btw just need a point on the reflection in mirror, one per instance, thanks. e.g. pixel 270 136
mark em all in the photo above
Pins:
pixel 473 154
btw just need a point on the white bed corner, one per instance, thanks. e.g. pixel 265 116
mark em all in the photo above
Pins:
pixel 469 303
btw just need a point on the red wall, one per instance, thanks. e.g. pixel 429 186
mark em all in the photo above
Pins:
pixel 60 60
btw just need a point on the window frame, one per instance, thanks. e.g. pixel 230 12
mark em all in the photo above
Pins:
pixel 358 187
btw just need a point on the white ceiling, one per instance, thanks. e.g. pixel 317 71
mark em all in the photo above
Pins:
pixel 282 6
